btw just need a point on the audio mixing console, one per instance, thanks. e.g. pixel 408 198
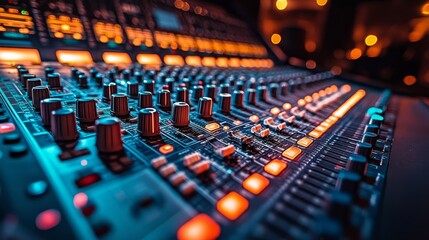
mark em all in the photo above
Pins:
pixel 171 119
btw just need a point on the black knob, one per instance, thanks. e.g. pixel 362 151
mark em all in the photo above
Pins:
pixel 364 149
pixel 145 100
pixel 48 105
pixel 224 88
pixel 357 163
pixel 54 80
pixel 108 137
pixel 164 99
pixel 238 98
pixel 133 89
pixel 170 83
pixel 262 93
pixel 86 110
pixel 369 137
pixel 138 76
pixel 126 75
pixel 149 85
pixel 348 182
pixel 376 120
pixel 205 107
pixel 283 88
pixel 83 81
pixel 99 79
pixel 240 86
pixel 148 122
pixel 251 96
pixel 339 205
pixel 119 105
pixel 291 86
pixel 63 125
pixel 210 91
pixel 225 102
pixel 31 83
pixel 182 94
pixel 197 93
pixel 274 90
pixel 73 73
pixel 180 114
pixel 108 90
pixel 93 73
pixel 48 70
pixel 251 83
pixel 372 128
pixel 39 93
pixel 24 79
pixel 22 71
pixel 111 75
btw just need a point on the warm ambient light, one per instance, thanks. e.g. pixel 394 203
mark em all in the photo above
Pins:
pixel 281 4
pixel 174 60
pixel 116 58
pixel 74 57
pixel 19 55
pixel 321 2
pixel 193 61
pixel 355 53
pixel 425 9
pixel 409 80
pixel 149 59
pixel 276 38
pixel 371 40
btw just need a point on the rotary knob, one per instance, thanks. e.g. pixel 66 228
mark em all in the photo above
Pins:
pixel 145 100
pixel 197 93
pixel 99 78
pixel 25 77
pixel 357 163
pixel 225 102
pixel 31 83
pixel 262 93
pixel 224 88
pixel 138 76
pixel 86 110
pixel 240 86
pixel 83 81
pixel 108 137
pixel 39 93
pixel 132 89
pixel 119 105
pixel 164 99
pixel 238 99
pixel 22 71
pixel 149 85
pixel 364 149
pixel 126 75
pixel 348 182
pixel 283 88
pixel 205 107
pixel 108 90
pixel 182 94
pixel 63 125
pixel 54 80
pixel 48 105
pixel 48 70
pixel 376 120
pixel 369 137
pixel 93 73
pixel 372 128
pixel 210 91
pixel 148 122
pixel 111 75
pixel 274 90
pixel 170 83
pixel 73 72
pixel 251 96
pixel 180 114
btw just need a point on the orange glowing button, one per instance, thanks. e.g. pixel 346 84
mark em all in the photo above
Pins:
pixel 326 124
pixel 116 58
pixel 19 55
pixel 275 167
pixel 254 118
pixel 74 57
pixel 166 149
pixel 232 205
pixel 256 183
pixel 291 153
pixel 321 128
pixel 212 126
pixel 315 134
pixel 199 227
pixel 305 142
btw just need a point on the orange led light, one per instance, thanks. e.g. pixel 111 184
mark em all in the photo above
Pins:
pixel 275 167
pixel 315 134
pixel 116 58
pixel 199 227
pixel 222 62
pixel 256 183
pixel 174 60
pixel 349 103
pixel 305 142
pixel 166 149
pixel 149 59
pixel 193 61
pixel 275 110
pixel 287 106
pixel 19 55
pixel 291 153
pixel 234 62
pixel 208 61
pixel 232 205
pixel 308 99
pixel 254 118
pixel 74 57
pixel 301 102
pixel 212 126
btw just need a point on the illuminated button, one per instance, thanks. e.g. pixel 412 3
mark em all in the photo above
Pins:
pixel 254 118
pixel 212 126
pixel 315 134
pixel 305 142
pixel 166 149
pixel 80 200
pixel 256 183
pixel 7 127
pixel 291 153
pixel 232 205
pixel 37 188
pixel 48 219
pixel 275 167
pixel 88 180
pixel 199 227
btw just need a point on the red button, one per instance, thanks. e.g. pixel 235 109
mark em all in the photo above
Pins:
pixel 88 180
pixel 6 127
pixel 48 219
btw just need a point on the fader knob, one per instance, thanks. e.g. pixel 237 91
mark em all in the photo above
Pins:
pixel 180 114
pixel 240 86
pixel 364 149
pixel 22 71
pixel 197 93
pixel 86 110
pixel 376 120
pixel 224 88
pixel 225 102
pixel 357 163
pixel 31 83
pixel 108 137
pixel 274 90
pixel 148 122
pixel 24 79
pixel 251 96
pixel 182 94
pixel 39 93
pixel 205 107
pixel 54 80
pixel 238 98
pixel 48 105
pixel 149 85
pixel 119 105
pixel 348 182
pixel 63 125
pixel 108 90
pixel 372 128
pixel 369 137
pixel 283 88
pixel 170 83
pixel 132 89
pixel 262 93
pixel 338 204
pixel 164 99
pixel 145 100
pixel 210 91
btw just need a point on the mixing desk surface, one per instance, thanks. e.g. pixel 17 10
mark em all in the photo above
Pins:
pixel 144 120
